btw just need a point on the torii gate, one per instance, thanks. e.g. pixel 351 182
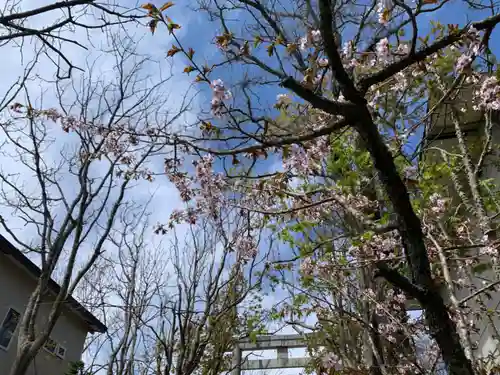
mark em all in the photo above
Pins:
pixel 269 342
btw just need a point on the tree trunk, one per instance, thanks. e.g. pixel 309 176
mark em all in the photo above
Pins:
pixel 441 326
pixel 23 360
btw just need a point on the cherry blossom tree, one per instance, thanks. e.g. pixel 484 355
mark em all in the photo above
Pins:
pixel 352 82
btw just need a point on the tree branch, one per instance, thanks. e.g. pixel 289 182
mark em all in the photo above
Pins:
pixel 47 8
pixel 398 280
pixel 492 285
pixel 346 84
pixel 386 73
pixel 326 130
pixel 329 106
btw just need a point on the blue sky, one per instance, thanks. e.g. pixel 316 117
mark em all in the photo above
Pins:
pixel 199 34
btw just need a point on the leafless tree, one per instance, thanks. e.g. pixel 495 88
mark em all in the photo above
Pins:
pixel 18 24
pixel 45 37
pixel 172 307
pixel 75 167
pixel 123 288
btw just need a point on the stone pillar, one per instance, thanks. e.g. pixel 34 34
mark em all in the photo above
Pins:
pixel 237 358
pixel 282 357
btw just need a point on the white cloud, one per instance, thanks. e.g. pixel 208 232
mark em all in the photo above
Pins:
pixel 42 92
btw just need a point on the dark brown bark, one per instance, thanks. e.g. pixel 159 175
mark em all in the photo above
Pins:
pixel 441 326
pixel 422 287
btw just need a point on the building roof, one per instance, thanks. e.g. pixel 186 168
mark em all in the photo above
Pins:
pixel 439 124
pixel 93 324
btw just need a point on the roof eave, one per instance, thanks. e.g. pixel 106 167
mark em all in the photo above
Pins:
pixel 93 323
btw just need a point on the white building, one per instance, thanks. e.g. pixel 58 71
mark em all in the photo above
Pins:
pixel 441 142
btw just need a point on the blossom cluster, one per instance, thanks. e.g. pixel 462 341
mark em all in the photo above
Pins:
pixel 205 194
pixel 246 247
pixel 472 45
pixel 307 266
pixel 107 140
pixel 331 361
pixel 383 55
pixel 325 268
pixel 488 96
pixel 378 246
pixel 437 204
pixel 307 159
pixel 219 95
pixel 206 188
pixel 311 39
pixel 68 122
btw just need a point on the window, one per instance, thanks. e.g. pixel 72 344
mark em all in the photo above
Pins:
pixel 54 348
pixel 50 346
pixel 61 352
pixel 8 327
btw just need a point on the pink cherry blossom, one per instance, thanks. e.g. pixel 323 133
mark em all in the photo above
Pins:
pixel 331 361
pixel 307 266
pixel 488 97
pixel 462 63
pixel 437 204
pixel 183 184
pixel 246 248
pixel 312 39
pixel 219 95
pixel 348 50
pixel 382 50
pixel 316 36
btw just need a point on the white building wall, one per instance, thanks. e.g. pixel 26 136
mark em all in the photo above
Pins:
pixel 16 286
pixel 487 309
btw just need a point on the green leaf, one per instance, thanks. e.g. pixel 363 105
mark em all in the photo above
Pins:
pixel 270 49
pixel 253 336
pixel 257 41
